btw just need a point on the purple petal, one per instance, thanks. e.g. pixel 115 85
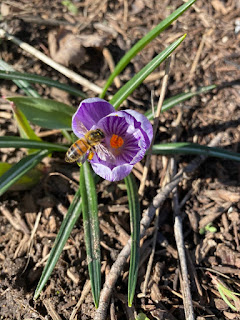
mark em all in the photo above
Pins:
pixel 89 113
pixel 145 125
pixel 115 174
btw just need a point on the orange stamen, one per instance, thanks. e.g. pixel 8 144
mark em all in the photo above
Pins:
pixel 116 141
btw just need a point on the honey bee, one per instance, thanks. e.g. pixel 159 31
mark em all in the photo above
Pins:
pixel 85 147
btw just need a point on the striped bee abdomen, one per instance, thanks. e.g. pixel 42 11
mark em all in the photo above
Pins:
pixel 77 150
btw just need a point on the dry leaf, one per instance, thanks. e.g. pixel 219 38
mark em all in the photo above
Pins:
pixel 93 40
pixel 66 49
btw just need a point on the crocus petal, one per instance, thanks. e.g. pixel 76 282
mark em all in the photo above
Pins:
pixel 145 125
pixel 89 112
pixel 115 174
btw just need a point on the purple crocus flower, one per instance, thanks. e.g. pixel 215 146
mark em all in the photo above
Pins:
pixel 127 136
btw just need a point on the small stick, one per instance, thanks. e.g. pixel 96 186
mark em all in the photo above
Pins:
pixel 197 57
pixel 30 244
pixel 112 310
pixel 50 309
pixel 41 56
pixel 117 267
pixel 178 232
pixel 107 55
pixel 86 289
pixel 150 261
pixel 198 54
pixel 125 12
pixel 155 126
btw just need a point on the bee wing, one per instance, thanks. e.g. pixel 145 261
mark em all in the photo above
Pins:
pixel 103 152
pixel 82 159
pixel 81 128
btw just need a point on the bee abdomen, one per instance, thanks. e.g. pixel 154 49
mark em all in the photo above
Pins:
pixel 77 150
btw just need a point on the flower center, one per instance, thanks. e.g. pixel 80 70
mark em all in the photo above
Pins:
pixel 116 141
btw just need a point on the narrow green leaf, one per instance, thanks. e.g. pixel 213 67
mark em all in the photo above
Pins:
pixel 135 216
pixel 16 142
pixel 22 84
pixel 132 84
pixel 222 293
pixel 19 169
pixel 45 112
pixel 173 101
pixel 13 75
pixel 27 181
pixel 67 225
pixel 142 316
pixel 23 125
pixel 194 148
pixel 67 135
pixel 143 42
pixel 91 229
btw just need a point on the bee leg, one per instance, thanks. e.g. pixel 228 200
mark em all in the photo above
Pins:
pixel 91 154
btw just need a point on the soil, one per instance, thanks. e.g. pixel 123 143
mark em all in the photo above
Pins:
pixel 210 205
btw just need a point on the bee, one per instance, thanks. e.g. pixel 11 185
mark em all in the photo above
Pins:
pixel 85 147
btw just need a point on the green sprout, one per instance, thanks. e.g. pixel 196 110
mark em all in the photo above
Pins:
pixel 226 294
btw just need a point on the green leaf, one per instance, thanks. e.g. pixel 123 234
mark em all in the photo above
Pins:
pixel 194 148
pixel 45 113
pixel 23 125
pixel 67 225
pixel 135 215
pixel 16 142
pixel 142 316
pixel 22 84
pixel 27 181
pixel 91 229
pixel 19 169
pixel 132 84
pixel 173 101
pixel 225 293
pixel 70 6
pixel 143 42
pixel 13 75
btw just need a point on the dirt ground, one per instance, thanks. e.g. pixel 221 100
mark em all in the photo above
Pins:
pixel 210 54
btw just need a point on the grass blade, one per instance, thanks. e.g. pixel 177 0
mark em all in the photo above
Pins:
pixel 173 101
pixel 18 76
pixel 67 225
pixel 19 169
pixel 134 206
pixel 24 127
pixel 22 84
pixel 132 84
pixel 16 142
pixel 45 113
pixel 91 229
pixel 194 148
pixel 143 42
pixel 27 181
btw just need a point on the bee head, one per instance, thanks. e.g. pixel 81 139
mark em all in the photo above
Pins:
pixel 97 135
